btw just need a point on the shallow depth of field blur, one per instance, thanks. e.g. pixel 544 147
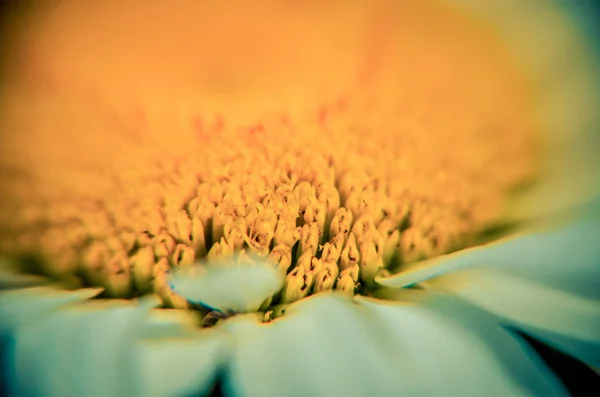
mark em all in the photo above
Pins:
pixel 115 113
pixel 118 117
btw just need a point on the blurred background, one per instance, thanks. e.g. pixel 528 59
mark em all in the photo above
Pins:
pixel 162 63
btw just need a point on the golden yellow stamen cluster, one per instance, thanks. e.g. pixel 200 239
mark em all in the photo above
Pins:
pixel 329 213
pixel 411 166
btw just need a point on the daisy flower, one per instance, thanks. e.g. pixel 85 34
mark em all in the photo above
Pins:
pixel 428 228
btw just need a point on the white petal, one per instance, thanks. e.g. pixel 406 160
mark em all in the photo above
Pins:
pixel 420 271
pixel 82 350
pixel 458 350
pixel 564 258
pixel 540 310
pixel 18 306
pixel 544 283
pixel 325 348
pixel 12 279
pixel 237 287
pixel 170 323
pixel 181 360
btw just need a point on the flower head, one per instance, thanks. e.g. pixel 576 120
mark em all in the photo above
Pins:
pixel 289 233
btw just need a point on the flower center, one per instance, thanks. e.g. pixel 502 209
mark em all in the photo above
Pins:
pixel 302 228
pixel 411 159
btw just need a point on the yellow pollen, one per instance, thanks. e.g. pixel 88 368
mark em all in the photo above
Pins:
pixel 402 143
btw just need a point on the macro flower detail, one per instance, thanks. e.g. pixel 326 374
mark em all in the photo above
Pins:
pixel 238 288
pixel 312 199
pixel 543 282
